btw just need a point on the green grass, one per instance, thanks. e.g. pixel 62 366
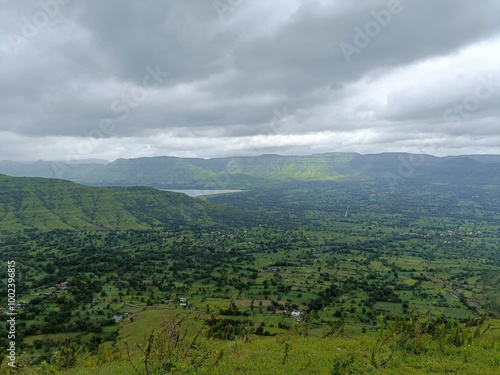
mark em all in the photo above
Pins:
pixel 293 353
pixel 48 204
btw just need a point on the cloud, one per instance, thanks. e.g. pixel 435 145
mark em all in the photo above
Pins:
pixel 143 78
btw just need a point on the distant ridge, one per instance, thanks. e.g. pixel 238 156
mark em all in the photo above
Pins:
pixel 244 172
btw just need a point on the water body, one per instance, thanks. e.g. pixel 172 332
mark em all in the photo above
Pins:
pixel 198 193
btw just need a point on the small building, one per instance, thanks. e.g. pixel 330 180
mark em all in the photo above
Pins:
pixel 117 318
pixel 63 285
pixel 183 301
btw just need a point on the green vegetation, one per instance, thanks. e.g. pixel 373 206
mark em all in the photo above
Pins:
pixel 46 204
pixel 319 277
pixel 266 170
pixel 181 343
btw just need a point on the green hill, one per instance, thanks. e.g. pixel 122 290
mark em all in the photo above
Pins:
pixel 267 170
pixel 39 203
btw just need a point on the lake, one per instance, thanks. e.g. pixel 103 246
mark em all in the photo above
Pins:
pixel 197 193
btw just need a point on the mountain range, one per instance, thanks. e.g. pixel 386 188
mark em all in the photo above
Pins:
pixel 246 172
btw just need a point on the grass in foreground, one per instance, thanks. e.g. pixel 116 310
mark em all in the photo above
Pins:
pixel 419 345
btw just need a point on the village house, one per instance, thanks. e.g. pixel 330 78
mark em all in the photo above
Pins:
pixel 117 318
pixel 63 285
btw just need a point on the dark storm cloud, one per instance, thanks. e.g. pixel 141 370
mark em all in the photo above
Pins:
pixel 246 70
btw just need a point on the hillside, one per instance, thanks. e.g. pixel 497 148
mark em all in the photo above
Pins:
pixel 39 203
pixel 267 170
pixel 298 351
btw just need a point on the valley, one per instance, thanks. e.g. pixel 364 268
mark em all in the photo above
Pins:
pixel 304 258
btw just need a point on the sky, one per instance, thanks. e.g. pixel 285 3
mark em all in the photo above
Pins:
pixel 212 78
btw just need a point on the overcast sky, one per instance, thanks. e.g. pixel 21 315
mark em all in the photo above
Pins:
pixel 204 78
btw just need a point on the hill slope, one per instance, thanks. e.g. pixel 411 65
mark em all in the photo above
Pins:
pixel 45 204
